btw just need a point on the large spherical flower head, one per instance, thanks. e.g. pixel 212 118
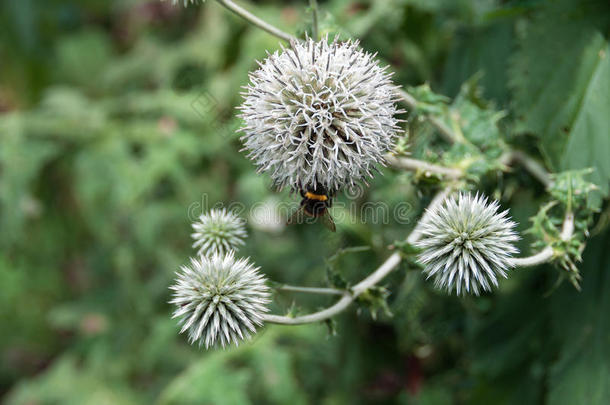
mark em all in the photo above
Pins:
pixel 218 231
pixel 319 114
pixel 466 244
pixel 219 299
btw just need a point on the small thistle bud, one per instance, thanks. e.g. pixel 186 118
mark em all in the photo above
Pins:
pixel 218 231
pixel 319 114
pixel 219 299
pixel 466 244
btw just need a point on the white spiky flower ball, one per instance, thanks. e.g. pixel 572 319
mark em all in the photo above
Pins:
pixel 218 231
pixel 467 244
pixel 220 300
pixel 319 114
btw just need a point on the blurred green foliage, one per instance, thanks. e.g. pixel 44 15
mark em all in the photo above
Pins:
pixel 118 127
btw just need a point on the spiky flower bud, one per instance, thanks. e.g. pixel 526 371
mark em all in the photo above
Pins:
pixel 466 244
pixel 219 299
pixel 319 114
pixel 218 231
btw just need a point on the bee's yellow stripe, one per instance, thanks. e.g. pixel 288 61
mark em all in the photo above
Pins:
pixel 318 197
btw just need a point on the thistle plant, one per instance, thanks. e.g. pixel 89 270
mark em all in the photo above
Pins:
pixel 323 115
pixel 219 299
pixel 218 231
pixel 467 244
pixel 319 114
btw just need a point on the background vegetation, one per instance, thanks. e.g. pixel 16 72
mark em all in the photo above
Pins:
pixel 117 127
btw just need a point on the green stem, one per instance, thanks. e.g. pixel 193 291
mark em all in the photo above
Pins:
pixel 375 277
pixel 547 254
pixel 246 15
pixel 531 165
pixel 310 290
pixel 405 163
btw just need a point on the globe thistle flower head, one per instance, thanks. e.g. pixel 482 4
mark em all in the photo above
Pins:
pixel 467 244
pixel 319 114
pixel 218 231
pixel 219 300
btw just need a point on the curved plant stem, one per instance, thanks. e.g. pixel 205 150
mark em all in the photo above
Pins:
pixel 311 290
pixel 248 16
pixel 405 163
pixel 392 262
pixel 530 164
pixel 436 201
pixel 547 254
pixel 349 296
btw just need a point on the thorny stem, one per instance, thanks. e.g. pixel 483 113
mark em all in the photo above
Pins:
pixel 405 163
pixel 349 296
pixel 245 14
pixel 546 254
pixel 529 163
pixel 313 4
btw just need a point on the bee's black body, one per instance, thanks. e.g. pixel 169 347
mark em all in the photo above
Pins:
pixel 315 204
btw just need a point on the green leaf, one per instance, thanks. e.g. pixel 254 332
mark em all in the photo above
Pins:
pixel 68 383
pixel 210 380
pixel 561 81
pixel 261 368
pixel 476 118
pixel 589 138
pixel 21 163
pixel 581 374
pixel 73 67
pixel 480 50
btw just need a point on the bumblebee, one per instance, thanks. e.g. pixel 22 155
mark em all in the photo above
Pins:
pixel 315 204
